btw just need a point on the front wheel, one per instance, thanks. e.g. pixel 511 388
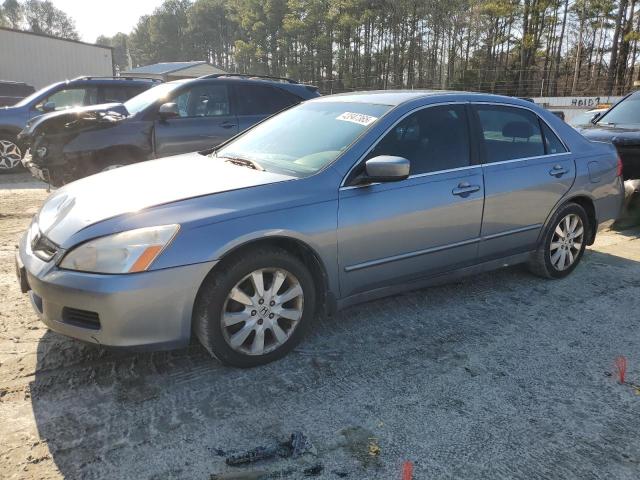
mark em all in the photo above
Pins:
pixel 10 154
pixel 563 243
pixel 256 308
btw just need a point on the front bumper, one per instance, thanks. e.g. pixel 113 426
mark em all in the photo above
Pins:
pixel 150 310
pixel 36 170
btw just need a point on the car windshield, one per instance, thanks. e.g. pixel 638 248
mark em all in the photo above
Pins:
pixel 146 98
pixel 35 95
pixel 304 139
pixel 626 112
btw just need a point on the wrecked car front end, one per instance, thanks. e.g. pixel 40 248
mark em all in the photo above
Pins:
pixel 46 140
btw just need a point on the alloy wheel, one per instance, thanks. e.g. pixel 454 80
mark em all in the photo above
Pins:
pixel 262 311
pixel 10 155
pixel 566 242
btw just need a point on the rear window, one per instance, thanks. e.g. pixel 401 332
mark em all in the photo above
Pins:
pixel 120 94
pixel 262 99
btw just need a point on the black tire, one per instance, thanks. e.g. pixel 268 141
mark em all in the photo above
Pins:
pixel 541 261
pixel 212 298
pixel 9 144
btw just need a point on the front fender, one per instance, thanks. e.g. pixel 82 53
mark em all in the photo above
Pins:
pixel 133 137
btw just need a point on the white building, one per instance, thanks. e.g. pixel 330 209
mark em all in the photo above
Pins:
pixel 40 60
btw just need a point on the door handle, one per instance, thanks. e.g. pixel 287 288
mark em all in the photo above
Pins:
pixel 558 171
pixel 464 189
pixel 227 125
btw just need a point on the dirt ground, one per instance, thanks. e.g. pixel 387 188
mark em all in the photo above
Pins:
pixel 502 375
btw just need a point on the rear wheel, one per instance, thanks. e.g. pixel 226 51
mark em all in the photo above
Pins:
pixel 563 243
pixel 10 154
pixel 256 308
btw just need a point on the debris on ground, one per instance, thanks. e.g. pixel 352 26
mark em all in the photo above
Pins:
pixel 313 471
pixel 340 473
pixel 407 471
pixel 621 367
pixel 374 448
pixel 296 445
pixel 256 475
pixel 363 445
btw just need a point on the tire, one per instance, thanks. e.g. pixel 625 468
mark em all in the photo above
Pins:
pixel 270 316
pixel 557 255
pixel 10 154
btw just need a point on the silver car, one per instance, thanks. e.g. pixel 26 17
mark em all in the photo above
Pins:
pixel 339 200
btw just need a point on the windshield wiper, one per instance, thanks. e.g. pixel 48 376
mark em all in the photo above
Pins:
pixel 244 162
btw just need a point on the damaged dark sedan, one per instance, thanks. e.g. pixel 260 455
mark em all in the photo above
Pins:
pixel 620 125
pixel 172 118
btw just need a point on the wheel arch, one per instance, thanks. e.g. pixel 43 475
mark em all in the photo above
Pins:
pixel 586 202
pixel 7 129
pixel 326 302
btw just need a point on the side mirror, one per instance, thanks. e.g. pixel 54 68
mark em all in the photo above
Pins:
pixel 595 117
pixel 387 168
pixel 49 107
pixel 168 110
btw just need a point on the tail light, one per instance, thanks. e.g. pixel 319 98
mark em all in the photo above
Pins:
pixel 619 167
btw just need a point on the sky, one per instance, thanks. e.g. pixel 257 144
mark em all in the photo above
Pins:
pixel 105 17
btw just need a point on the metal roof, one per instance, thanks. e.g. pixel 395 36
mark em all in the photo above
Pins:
pixel 164 68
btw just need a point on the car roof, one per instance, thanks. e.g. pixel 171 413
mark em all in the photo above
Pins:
pixel 298 89
pixel 397 97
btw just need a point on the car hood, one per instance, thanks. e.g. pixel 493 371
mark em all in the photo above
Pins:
pixel 73 119
pixel 616 134
pixel 133 188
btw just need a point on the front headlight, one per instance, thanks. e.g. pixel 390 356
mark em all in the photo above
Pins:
pixel 125 252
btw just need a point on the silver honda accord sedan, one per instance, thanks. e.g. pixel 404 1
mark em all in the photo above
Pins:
pixel 339 200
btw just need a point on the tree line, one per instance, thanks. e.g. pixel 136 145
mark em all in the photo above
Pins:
pixel 37 16
pixel 513 47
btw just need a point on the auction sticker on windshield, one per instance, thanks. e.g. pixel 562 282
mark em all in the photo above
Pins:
pixel 359 118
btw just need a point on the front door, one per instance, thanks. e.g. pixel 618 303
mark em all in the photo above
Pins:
pixel 527 170
pixel 205 120
pixel 429 223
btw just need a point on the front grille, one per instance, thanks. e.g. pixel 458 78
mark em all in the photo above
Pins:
pixel 81 318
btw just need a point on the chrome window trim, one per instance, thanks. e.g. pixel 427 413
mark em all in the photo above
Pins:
pixel 502 104
pixel 411 112
pixel 502 162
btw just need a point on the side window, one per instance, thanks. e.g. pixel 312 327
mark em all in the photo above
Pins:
pixel 551 141
pixel 203 101
pixel 119 94
pixel 509 133
pixel 71 97
pixel 262 99
pixel 433 139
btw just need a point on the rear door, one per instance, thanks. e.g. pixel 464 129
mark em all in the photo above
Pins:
pixel 527 170
pixel 205 120
pixel 256 102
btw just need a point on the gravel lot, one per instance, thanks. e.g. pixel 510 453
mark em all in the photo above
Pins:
pixel 503 375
